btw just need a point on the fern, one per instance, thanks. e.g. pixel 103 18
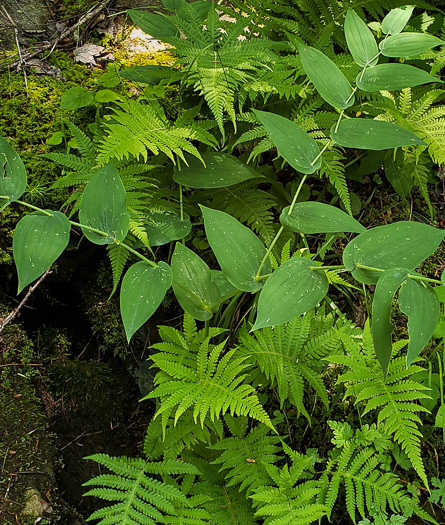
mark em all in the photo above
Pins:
pixel 244 455
pixel 358 470
pixel 140 499
pixel 394 396
pixel 202 376
pixel 118 258
pixel 290 355
pixel 137 128
pixel 287 502
pixel 226 505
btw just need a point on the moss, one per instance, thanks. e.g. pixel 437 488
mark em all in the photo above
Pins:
pixel 71 8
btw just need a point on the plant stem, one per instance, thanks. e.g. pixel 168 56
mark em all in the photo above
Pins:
pixel 224 299
pixel 49 214
pixel 89 228
pixel 339 120
pixel 294 200
pixel 280 231
pixel 131 250
pixel 334 267
pixel 95 230
pixel 322 151
pixel 419 278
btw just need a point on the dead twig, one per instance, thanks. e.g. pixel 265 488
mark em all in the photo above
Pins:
pixel 16 34
pixel 87 17
pixel 12 315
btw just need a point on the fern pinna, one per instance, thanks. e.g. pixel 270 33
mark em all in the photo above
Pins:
pixel 395 396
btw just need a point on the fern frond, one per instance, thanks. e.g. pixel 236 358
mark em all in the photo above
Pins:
pixel 333 168
pixel 395 396
pixel 141 499
pixel 242 456
pixel 289 356
pixel 357 469
pixel 81 142
pixel 136 129
pixel 118 258
pixel 289 502
pixel 209 380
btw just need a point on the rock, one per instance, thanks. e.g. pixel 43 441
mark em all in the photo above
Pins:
pixel 33 506
pixel 30 16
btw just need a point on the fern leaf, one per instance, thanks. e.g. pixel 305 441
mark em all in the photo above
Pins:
pixel 118 258
pixel 394 396
pixel 141 499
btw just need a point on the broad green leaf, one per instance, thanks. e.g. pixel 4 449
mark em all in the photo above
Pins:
pixel 402 243
pixel 382 327
pixel 290 291
pixel 391 77
pixel 397 175
pixel 360 40
pixel 419 302
pixel 165 226
pixel 372 134
pixel 220 170
pixel 103 207
pixel 396 19
pixel 327 78
pixel 201 8
pixel 293 144
pixel 55 139
pixel 75 98
pixel 106 95
pixel 149 74
pixel 440 417
pixel 409 44
pixel 154 25
pixel 172 5
pixel 224 286
pixel 238 250
pixel 192 283
pixel 440 292
pixel 13 178
pixel 142 291
pixel 38 241
pixel 316 217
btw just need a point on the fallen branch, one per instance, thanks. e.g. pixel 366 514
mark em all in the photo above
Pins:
pixel 12 315
pixel 92 13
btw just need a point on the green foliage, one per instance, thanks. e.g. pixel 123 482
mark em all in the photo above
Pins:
pixel 358 469
pixel 141 499
pixel 290 355
pixel 201 375
pixel 213 452
pixel 393 396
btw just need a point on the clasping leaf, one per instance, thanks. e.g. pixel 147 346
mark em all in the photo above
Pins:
pixel 13 178
pixel 103 207
pixel 39 239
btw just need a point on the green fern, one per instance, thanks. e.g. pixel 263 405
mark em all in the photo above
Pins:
pixel 203 376
pixel 136 128
pixel 118 258
pixel 140 499
pixel 286 501
pixel 395 396
pixel 357 469
pixel 244 455
pixel 248 204
pixel 290 355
